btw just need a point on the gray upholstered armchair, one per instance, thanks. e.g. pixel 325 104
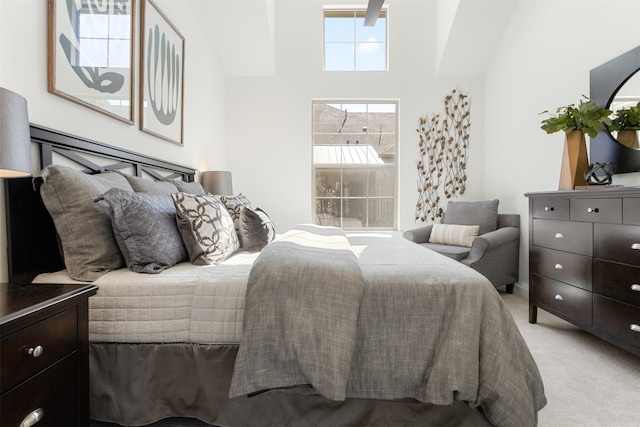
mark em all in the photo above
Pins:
pixel 494 252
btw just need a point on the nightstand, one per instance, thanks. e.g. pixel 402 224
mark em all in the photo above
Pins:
pixel 44 354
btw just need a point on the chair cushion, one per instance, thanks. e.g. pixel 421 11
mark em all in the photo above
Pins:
pixel 483 214
pixel 450 234
pixel 456 252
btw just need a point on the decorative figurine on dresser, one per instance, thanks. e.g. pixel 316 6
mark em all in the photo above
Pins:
pixel 44 350
pixel 584 260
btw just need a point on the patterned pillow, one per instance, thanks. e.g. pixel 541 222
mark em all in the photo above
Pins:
pixel 84 227
pixel 206 228
pixel 234 205
pixel 256 229
pixel 455 235
pixel 146 230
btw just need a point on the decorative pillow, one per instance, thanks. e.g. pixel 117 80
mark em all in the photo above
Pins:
pixel 206 228
pixel 454 235
pixel 142 185
pixel 483 214
pixel 146 230
pixel 256 229
pixel 84 227
pixel 234 205
pixel 188 187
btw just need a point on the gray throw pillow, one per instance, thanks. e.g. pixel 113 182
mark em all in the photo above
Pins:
pixel 88 244
pixel 188 187
pixel 256 229
pixel 206 228
pixel 146 230
pixel 142 185
pixel 483 214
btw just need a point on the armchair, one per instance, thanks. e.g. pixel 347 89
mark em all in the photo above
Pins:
pixel 494 252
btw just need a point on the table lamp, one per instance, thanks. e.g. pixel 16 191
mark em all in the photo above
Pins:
pixel 15 137
pixel 217 182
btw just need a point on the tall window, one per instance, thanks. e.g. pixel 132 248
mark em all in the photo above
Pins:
pixel 350 46
pixel 354 164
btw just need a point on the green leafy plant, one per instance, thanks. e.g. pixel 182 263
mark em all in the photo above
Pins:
pixel 587 117
pixel 626 119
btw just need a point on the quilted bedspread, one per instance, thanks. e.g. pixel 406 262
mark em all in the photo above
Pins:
pixel 379 317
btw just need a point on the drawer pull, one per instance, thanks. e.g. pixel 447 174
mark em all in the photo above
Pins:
pixel 634 327
pixel 548 208
pixel 592 210
pixel 636 246
pixel 32 418
pixel 559 236
pixel 559 297
pixel 35 351
pixel 558 267
pixel 635 287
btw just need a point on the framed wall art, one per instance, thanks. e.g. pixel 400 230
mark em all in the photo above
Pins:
pixel 161 75
pixel 90 54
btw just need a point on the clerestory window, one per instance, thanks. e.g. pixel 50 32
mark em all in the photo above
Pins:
pixel 349 45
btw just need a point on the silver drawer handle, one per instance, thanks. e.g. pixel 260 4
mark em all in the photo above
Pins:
pixel 558 267
pixel 592 210
pixel 35 351
pixel 559 236
pixel 548 208
pixel 634 327
pixel 559 297
pixel 635 287
pixel 32 418
pixel 636 246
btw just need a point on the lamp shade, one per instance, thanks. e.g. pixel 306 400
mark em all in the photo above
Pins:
pixel 15 138
pixel 217 182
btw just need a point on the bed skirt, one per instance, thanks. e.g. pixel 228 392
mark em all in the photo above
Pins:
pixel 138 384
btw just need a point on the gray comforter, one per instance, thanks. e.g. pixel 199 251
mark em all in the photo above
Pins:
pixel 378 317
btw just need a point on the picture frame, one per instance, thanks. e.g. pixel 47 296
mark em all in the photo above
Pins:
pixel 161 75
pixel 91 54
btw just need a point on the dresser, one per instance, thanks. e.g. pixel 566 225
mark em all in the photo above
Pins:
pixel 44 354
pixel 584 260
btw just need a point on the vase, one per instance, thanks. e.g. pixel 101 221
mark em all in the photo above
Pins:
pixel 574 161
pixel 628 138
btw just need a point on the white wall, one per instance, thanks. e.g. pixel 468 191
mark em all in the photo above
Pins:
pixel 23 69
pixel 543 62
pixel 269 118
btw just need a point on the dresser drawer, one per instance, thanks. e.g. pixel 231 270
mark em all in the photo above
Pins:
pixel 631 210
pixel 57 336
pixel 617 242
pixel 576 237
pixel 563 266
pixel 597 210
pixel 54 391
pixel 617 319
pixel 617 281
pixel 564 299
pixel 550 208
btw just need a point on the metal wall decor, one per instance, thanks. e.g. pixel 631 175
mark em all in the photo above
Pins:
pixel 444 143
pixel 161 75
pixel 90 54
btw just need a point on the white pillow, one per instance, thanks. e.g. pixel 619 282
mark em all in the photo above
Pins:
pixel 456 235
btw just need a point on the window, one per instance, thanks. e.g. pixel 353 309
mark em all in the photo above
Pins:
pixel 354 164
pixel 350 46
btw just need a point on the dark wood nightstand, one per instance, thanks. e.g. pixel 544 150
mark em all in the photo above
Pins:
pixel 44 354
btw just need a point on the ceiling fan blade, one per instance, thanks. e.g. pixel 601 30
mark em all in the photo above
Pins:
pixel 373 9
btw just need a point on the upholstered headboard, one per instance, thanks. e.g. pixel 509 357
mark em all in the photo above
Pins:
pixel 31 236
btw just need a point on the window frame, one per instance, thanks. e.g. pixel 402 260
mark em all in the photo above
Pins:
pixel 342 167
pixel 358 12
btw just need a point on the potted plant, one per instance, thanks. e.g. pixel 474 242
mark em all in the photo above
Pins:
pixel 626 122
pixel 576 121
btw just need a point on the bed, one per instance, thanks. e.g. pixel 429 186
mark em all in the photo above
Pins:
pixel 319 327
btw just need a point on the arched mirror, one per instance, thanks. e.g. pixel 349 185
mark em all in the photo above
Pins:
pixel 616 84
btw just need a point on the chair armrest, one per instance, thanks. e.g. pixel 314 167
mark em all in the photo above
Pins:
pixel 419 234
pixel 490 241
